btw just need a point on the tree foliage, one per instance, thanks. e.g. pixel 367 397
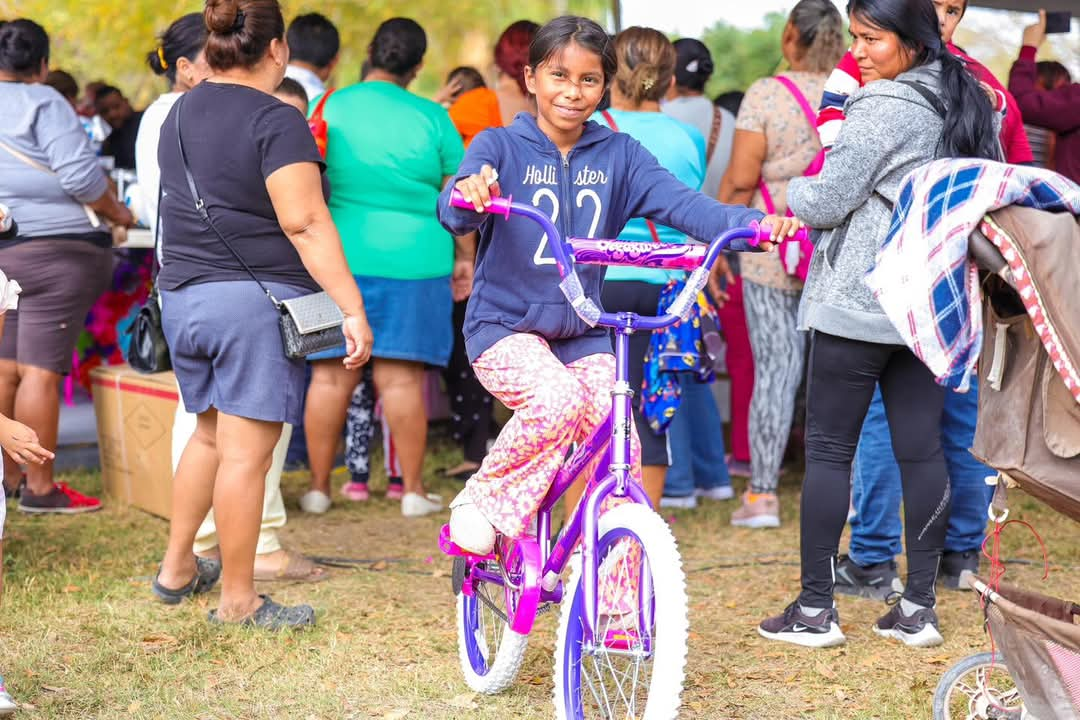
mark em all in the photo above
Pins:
pixel 742 56
pixel 109 40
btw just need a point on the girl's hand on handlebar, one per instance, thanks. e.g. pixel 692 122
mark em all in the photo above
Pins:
pixel 358 340
pixel 480 188
pixel 782 227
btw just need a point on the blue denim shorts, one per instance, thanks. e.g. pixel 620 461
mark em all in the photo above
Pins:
pixel 411 320
pixel 225 342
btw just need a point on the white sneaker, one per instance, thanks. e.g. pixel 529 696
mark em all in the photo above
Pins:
pixel 679 503
pixel 469 529
pixel 7 704
pixel 315 502
pixel 720 492
pixel 417 505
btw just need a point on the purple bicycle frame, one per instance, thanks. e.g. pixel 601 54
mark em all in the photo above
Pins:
pixel 612 437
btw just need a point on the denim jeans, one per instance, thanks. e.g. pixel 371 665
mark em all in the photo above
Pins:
pixel 696 440
pixel 876 528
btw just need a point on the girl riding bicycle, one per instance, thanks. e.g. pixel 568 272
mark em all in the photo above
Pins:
pixel 526 344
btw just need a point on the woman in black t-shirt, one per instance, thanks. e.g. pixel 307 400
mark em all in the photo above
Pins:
pixel 256 167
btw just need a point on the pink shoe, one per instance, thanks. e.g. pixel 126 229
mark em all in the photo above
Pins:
pixel 355 491
pixel 395 491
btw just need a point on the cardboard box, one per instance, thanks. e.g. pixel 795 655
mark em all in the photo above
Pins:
pixel 134 425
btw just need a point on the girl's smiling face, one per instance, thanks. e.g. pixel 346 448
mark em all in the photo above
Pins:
pixel 568 87
pixel 879 53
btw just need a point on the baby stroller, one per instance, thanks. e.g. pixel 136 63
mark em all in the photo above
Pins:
pixel 1028 430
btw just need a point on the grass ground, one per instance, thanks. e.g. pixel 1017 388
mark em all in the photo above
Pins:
pixel 80 636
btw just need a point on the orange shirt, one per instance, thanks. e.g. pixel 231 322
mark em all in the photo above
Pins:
pixel 475 111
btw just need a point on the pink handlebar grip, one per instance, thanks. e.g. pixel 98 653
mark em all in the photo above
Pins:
pixel 498 206
pixel 764 232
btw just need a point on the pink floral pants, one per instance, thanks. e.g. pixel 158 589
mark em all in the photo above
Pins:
pixel 554 406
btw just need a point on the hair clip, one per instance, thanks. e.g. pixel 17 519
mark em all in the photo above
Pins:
pixel 238 24
pixel 161 58
pixel 648 84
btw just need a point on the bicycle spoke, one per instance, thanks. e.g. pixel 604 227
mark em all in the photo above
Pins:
pixel 617 679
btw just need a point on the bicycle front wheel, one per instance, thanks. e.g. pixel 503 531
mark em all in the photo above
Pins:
pixel 636 666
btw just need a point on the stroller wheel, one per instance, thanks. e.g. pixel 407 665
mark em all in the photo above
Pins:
pixel 978 688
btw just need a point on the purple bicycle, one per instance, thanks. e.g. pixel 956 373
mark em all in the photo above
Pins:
pixel 629 664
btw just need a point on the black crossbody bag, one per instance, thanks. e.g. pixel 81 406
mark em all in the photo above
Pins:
pixel 148 351
pixel 309 323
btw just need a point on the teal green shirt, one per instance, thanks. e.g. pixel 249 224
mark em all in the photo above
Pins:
pixel 680 148
pixel 387 154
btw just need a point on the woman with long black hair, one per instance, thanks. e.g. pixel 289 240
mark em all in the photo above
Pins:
pixel 919 103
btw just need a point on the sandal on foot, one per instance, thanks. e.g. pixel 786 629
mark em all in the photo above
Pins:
pixel 295 568
pixel 207 572
pixel 272 616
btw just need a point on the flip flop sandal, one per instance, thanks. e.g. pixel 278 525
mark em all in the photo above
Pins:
pixel 272 616
pixel 207 572
pixel 296 568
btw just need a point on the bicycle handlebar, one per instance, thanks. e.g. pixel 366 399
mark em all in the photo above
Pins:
pixel 598 252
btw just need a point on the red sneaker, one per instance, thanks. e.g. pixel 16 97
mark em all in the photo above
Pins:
pixel 61 499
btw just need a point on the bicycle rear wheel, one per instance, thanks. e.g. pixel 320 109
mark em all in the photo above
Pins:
pixel 490 652
pixel 636 669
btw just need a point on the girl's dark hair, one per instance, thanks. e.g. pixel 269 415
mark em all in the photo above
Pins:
pixel 512 50
pixel 241 31
pixel 821 33
pixel 553 37
pixel 185 38
pixel 969 118
pixel 23 46
pixel 398 46
pixel 646 64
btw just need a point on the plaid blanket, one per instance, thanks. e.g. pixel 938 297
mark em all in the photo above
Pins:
pixel 923 277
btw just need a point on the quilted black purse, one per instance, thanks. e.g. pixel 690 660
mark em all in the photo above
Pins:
pixel 309 323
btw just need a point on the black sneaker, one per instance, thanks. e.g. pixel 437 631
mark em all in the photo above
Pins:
pixel 954 565
pixel 875 582
pixel 795 627
pixel 920 629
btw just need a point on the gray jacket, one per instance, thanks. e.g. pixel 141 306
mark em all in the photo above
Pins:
pixel 890 130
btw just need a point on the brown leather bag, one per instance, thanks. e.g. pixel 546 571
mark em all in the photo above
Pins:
pixel 1029 421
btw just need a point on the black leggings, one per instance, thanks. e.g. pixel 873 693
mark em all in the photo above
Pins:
pixel 840 384
pixel 472 420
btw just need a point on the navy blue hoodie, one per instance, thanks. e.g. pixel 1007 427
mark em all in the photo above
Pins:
pixel 604 181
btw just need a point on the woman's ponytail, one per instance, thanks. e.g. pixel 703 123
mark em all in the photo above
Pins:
pixel 969 117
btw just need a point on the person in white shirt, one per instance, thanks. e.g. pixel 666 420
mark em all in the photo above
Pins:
pixel 313 52
pixel 179 58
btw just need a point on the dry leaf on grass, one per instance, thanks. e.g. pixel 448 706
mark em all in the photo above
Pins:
pixel 71 589
pixel 396 714
pixel 825 671
pixel 54 689
pixel 465 701
pixel 379 566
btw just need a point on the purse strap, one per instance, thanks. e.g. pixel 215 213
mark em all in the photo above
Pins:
pixel 95 221
pixel 200 207
pixel 652 226
pixel 714 134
